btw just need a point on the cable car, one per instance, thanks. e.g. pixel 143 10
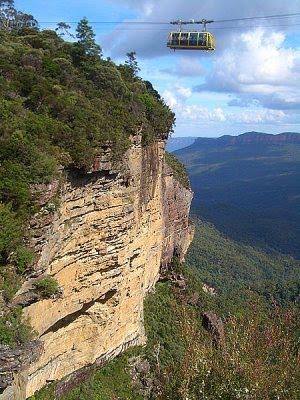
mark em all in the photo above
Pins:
pixel 191 41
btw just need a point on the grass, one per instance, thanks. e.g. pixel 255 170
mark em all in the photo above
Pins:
pixel 111 382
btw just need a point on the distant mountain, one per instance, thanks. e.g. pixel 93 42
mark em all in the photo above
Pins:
pixel 177 143
pixel 249 187
pixel 247 138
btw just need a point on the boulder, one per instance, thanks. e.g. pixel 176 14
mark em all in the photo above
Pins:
pixel 215 326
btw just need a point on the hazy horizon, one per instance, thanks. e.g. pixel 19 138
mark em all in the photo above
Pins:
pixel 175 136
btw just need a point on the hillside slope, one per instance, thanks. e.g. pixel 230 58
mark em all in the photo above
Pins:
pixel 249 187
pixel 177 143
pixel 254 294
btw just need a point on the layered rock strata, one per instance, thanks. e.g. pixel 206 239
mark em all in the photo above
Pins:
pixel 104 244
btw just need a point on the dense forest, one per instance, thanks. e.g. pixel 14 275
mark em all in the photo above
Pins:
pixel 248 187
pixel 59 103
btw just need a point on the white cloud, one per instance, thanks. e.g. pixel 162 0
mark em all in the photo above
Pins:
pixel 186 66
pixel 195 113
pixel 148 8
pixel 170 98
pixel 151 43
pixel 258 116
pixel 183 91
pixel 258 69
pixel 177 96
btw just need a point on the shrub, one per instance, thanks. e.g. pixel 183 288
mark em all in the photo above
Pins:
pixel 9 231
pixel 22 257
pixel 14 331
pixel 10 283
pixel 179 170
pixel 47 287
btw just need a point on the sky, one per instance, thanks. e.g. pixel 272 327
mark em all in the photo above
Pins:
pixel 250 82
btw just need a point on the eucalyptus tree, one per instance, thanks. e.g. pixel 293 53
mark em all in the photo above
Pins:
pixel 11 19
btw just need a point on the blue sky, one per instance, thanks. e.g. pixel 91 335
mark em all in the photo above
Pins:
pixel 251 82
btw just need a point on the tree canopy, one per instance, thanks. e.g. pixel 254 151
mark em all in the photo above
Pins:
pixel 11 19
pixel 86 39
pixel 60 102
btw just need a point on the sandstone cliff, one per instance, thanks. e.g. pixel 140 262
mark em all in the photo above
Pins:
pixel 104 244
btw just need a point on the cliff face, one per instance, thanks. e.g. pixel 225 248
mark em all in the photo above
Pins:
pixel 104 244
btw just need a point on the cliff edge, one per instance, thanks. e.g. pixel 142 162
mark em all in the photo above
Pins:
pixel 104 244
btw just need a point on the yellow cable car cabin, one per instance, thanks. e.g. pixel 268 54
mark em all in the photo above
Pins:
pixel 191 41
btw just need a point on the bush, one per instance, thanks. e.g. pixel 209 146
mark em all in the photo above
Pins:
pixel 47 287
pixel 14 331
pixel 179 170
pixel 10 283
pixel 10 231
pixel 22 257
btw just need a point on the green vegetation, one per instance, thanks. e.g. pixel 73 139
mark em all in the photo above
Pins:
pixel 261 355
pixel 242 274
pixel 248 189
pixel 47 287
pixel 10 282
pixel 179 170
pixel 111 382
pixel 13 330
pixel 259 360
pixel 59 103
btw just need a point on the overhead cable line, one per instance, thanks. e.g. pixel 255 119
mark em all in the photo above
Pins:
pixel 279 16
pixel 215 28
pixel 253 18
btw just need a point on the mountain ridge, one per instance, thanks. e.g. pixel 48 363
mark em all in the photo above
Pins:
pixel 248 187
pixel 251 137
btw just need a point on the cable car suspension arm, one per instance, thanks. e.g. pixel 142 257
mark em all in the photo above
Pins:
pixel 203 22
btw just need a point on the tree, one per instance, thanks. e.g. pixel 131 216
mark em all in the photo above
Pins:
pixel 152 91
pixel 7 13
pixel 63 29
pixel 132 63
pixel 25 21
pixel 86 39
pixel 11 19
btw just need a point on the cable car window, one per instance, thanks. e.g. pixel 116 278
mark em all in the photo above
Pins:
pixel 175 39
pixel 184 39
pixel 202 39
pixel 193 39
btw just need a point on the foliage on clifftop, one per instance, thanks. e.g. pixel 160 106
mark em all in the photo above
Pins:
pixel 179 170
pixel 59 103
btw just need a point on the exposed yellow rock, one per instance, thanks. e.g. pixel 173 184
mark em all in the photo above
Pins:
pixel 104 246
